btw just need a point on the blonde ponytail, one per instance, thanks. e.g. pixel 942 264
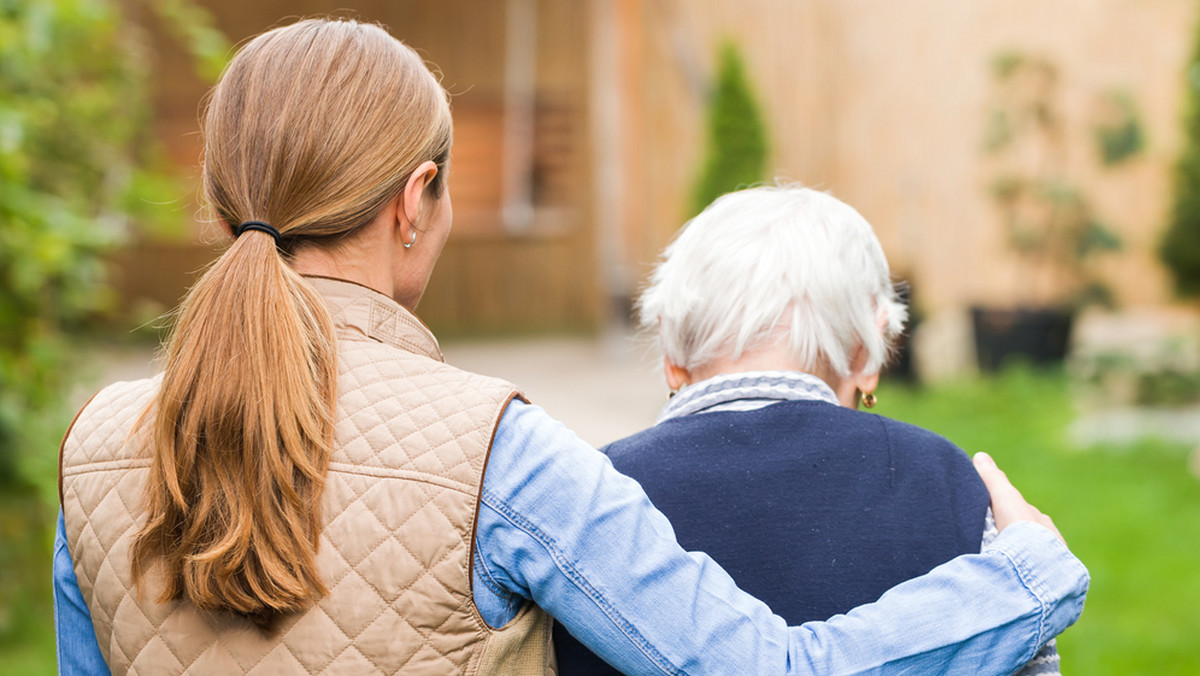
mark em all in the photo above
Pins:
pixel 243 428
pixel 313 128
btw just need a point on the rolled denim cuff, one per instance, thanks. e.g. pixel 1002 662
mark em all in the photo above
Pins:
pixel 1050 572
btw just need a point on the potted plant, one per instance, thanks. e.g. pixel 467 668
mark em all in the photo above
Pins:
pixel 1049 222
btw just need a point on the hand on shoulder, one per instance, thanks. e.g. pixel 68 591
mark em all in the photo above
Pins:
pixel 1008 505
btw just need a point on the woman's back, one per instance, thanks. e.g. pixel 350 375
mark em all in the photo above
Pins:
pixel 810 491
pixel 398 514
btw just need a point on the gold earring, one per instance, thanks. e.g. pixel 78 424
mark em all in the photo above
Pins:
pixel 868 399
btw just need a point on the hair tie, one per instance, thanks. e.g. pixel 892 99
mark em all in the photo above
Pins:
pixel 261 227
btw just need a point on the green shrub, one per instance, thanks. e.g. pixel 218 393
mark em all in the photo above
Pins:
pixel 1180 248
pixel 736 150
pixel 72 115
pixel 79 168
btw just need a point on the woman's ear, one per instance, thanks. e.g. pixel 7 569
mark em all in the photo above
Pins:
pixel 867 382
pixel 677 376
pixel 409 209
pixel 848 389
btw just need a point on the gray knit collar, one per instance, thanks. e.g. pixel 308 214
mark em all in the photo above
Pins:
pixel 746 391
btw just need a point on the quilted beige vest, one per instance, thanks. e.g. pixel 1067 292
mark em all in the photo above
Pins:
pixel 412 437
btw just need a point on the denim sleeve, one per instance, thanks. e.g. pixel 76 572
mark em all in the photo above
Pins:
pixel 78 651
pixel 560 527
pixel 1047 662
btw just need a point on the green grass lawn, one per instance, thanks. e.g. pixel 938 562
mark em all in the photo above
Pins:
pixel 26 618
pixel 1132 513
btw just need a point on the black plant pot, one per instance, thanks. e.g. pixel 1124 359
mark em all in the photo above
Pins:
pixel 902 366
pixel 1040 336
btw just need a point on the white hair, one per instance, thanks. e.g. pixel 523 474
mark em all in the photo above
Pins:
pixel 768 264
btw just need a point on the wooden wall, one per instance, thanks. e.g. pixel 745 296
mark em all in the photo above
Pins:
pixel 491 278
pixel 884 103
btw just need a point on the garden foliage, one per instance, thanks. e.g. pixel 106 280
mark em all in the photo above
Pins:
pixel 77 169
pixel 72 116
pixel 1051 223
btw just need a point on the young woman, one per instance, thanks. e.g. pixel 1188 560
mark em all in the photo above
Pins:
pixel 309 488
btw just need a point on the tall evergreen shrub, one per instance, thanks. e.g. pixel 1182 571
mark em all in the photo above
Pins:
pixel 1180 248
pixel 736 144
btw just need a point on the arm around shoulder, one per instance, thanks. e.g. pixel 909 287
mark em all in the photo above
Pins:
pixel 974 614
pixel 559 526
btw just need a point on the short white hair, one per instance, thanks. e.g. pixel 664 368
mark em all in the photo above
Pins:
pixel 768 264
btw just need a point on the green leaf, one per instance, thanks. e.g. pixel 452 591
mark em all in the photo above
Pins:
pixel 1121 137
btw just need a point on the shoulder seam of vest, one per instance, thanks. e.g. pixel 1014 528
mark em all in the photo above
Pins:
pixel 108 466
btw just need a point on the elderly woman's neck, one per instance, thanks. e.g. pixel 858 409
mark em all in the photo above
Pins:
pixel 762 358
pixel 749 362
pixel 778 358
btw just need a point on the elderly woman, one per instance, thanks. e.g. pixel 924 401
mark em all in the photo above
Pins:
pixel 775 313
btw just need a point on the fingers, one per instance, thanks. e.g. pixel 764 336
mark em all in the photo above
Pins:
pixel 1008 505
pixel 997 482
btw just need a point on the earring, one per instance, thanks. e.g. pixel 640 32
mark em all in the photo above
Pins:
pixel 408 245
pixel 868 399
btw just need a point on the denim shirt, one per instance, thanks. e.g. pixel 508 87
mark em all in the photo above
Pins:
pixel 559 527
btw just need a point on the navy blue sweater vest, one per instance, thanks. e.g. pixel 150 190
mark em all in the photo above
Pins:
pixel 811 507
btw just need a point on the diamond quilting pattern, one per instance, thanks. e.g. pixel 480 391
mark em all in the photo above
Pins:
pixel 431 436
pixel 354 619
pixel 411 441
pixel 356 531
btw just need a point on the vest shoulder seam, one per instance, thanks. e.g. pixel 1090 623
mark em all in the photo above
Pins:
pixel 106 466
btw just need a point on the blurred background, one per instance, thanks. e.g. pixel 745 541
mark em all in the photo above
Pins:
pixel 1032 168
